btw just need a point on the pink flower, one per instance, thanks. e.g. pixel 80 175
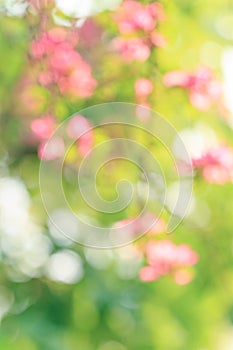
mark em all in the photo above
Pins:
pixel 77 126
pixel 141 20
pixel 43 127
pixel 143 87
pixel 90 33
pixel 132 49
pixel 81 83
pixel 129 6
pixel 216 164
pixel 185 256
pixel 124 18
pixel 57 34
pixel 126 26
pixel 50 41
pixel 164 257
pixel 217 175
pixel 202 86
pixel 62 64
pixel 176 78
pixel 135 16
pixel 157 10
pixel 64 59
pixel 46 78
pixel 52 149
pixel 162 251
pixel 85 144
pixel 37 49
pixel 43 46
pixel 149 274
pixel 80 129
pixel 200 101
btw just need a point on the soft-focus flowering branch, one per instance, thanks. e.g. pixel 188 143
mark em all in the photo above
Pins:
pixel 137 24
pixel 61 65
pixel 166 258
pixel 216 164
pixel 202 86
pixel 210 157
pixel 59 69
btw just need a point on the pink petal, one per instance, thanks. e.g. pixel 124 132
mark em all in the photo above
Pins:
pixel 143 87
pixel 176 78
pixel 43 127
pixel 52 149
pixel 148 274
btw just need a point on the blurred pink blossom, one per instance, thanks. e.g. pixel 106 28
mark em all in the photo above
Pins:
pixel 85 144
pixel 45 78
pixel 43 127
pixel 139 20
pixel 143 87
pixel 133 15
pixel 149 274
pixel 64 59
pixel 80 129
pixel 79 83
pixel 164 257
pixel 176 78
pixel 157 10
pixel 132 49
pixel 60 64
pixel 202 86
pixel 52 149
pixel 217 174
pixel 216 164
pixel 89 33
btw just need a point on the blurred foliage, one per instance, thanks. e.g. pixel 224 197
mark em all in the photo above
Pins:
pixel 109 309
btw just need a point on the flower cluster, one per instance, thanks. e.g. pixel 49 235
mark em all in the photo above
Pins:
pixel 58 68
pixel 210 156
pixel 216 164
pixel 61 65
pixel 166 258
pixel 137 24
pixel 203 88
pixel 78 129
pixel 42 129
